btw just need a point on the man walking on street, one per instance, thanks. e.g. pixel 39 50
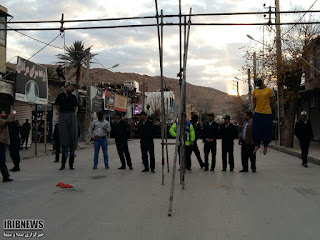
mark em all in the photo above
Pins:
pixel 228 133
pixel 14 148
pixel 210 135
pixel 4 139
pixel 66 104
pixel 197 130
pixel 246 142
pixel 26 127
pixel 98 131
pixel 303 131
pixel 120 130
pixel 146 133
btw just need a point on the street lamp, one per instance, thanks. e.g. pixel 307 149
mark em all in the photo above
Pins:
pixel 114 66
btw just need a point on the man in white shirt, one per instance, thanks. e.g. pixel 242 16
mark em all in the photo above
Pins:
pixel 98 131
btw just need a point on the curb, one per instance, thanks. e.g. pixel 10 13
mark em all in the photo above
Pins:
pixel 295 154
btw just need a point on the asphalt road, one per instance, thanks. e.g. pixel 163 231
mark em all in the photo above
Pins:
pixel 280 201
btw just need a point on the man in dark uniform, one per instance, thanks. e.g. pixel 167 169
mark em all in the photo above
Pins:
pixel 228 134
pixel 210 135
pixel 66 104
pixel 120 130
pixel 146 132
pixel 194 147
pixel 26 127
pixel 14 134
pixel 303 131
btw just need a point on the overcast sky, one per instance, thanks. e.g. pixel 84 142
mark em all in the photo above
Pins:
pixel 215 52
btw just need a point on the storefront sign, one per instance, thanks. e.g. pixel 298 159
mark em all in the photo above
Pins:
pixel 109 101
pixel 120 103
pixel 6 88
pixel 31 82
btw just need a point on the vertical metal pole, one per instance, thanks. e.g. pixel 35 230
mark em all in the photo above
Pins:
pixel 88 97
pixel 249 90
pixel 160 42
pixel 166 137
pixel 254 65
pixel 45 128
pixel 280 92
pixel 36 132
pixel 178 124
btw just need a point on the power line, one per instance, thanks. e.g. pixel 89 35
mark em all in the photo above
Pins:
pixel 34 53
pixel 165 24
pixel 300 18
pixel 164 16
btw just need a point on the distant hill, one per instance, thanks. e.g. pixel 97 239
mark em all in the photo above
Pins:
pixel 204 98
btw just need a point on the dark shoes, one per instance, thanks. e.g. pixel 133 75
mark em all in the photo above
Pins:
pixel 14 169
pixel 131 168
pixel 243 171
pixel 55 161
pixel 94 167
pixel 71 168
pixel 211 169
pixel 231 170
pixel 145 170
pixel 7 180
pixel 206 169
pixel 253 170
pixel 153 171
pixel 62 167
pixel 107 167
pixel 122 167
pixel 223 170
pixel 305 165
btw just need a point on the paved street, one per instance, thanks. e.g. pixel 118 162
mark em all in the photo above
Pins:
pixel 280 201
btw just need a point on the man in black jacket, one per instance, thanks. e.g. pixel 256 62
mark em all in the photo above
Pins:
pixel 194 147
pixel 146 132
pixel 14 134
pixel 303 131
pixel 120 130
pixel 210 135
pixel 228 133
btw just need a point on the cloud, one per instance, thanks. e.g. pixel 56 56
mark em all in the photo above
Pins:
pixel 214 56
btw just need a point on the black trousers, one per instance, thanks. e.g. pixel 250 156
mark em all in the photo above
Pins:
pixel 64 159
pixel 207 148
pixel 25 139
pixel 123 152
pixel 304 145
pixel 227 149
pixel 246 154
pixel 145 148
pixel 14 154
pixel 196 151
pixel 188 157
pixel 3 166
pixel 57 149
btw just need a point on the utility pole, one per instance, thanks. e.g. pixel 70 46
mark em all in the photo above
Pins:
pixel 88 81
pixel 249 90
pixel 143 95
pixel 254 65
pixel 280 92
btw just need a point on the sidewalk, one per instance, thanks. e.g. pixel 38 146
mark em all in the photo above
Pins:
pixel 314 150
pixel 30 152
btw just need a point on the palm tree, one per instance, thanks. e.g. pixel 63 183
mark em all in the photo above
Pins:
pixel 76 56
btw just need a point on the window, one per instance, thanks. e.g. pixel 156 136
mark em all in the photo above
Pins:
pixel 2 30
